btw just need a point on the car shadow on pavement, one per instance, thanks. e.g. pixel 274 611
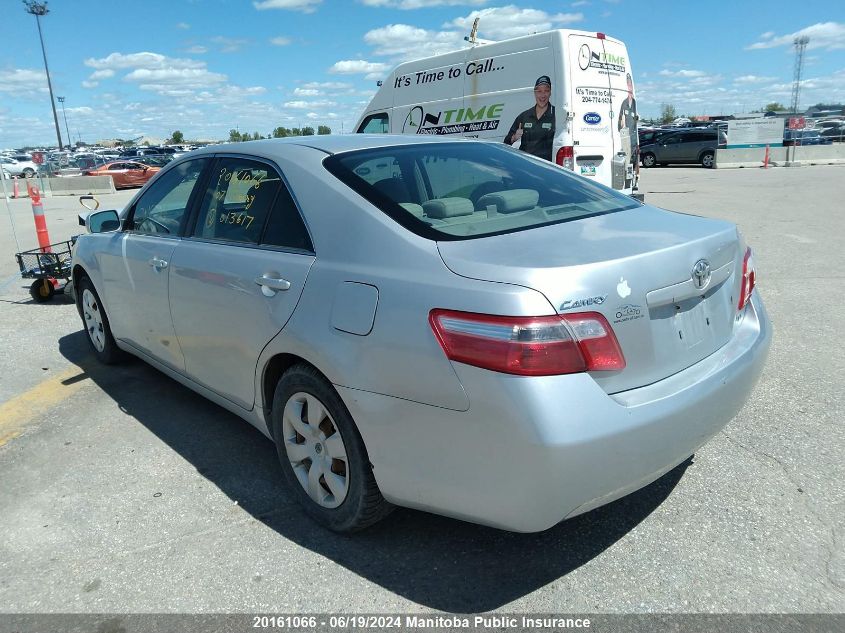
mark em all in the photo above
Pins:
pixel 437 562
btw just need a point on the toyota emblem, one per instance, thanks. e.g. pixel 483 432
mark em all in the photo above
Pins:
pixel 701 274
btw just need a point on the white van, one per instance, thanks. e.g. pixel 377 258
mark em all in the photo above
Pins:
pixel 488 91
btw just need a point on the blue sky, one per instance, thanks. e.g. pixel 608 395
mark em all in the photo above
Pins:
pixel 203 67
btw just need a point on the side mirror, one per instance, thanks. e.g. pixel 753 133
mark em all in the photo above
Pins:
pixel 102 221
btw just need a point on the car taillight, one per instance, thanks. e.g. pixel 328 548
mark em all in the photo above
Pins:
pixel 529 346
pixel 566 157
pixel 748 280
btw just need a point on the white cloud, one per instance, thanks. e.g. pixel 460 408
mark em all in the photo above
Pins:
pixel 420 4
pixel 197 50
pixel 183 25
pixel 229 44
pixel 580 3
pixel 753 79
pixel 327 85
pixel 682 73
pixel 827 35
pixel 511 21
pixel 191 76
pixel 101 74
pixel 306 92
pixel 90 84
pixel 404 42
pixel 119 61
pixel 308 105
pixel 81 110
pixel 358 67
pixel 23 81
pixel 280 41
pixel 306 6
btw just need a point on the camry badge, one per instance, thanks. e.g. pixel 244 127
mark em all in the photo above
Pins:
pixel 701 274
pixel 580 303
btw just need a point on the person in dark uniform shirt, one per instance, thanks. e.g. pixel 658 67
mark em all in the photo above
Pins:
pixel 535 128
pixel 628 120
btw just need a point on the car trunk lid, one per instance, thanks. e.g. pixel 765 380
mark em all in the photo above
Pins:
pixel 635 267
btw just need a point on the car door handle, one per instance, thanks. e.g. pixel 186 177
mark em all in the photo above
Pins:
pixel 273 283
pixel 158 264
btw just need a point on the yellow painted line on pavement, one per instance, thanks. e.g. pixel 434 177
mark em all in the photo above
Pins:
pixel 22 410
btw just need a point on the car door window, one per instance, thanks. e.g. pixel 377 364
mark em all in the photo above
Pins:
pixel 285 226
pixel 238 200
pixel 162 208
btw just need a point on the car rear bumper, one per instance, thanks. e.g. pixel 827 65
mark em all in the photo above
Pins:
pixel 531 451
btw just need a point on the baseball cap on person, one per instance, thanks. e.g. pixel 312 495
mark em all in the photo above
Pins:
pixel 543 79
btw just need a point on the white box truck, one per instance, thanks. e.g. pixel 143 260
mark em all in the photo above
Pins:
pixel 566 96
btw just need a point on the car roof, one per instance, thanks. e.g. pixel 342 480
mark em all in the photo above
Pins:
pixel 328 143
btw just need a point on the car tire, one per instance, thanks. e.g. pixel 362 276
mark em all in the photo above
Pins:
pixel 41 290
pixel 649 160
pixel 325 462
pixel 95 321
pixel 707 160
pixel 28 173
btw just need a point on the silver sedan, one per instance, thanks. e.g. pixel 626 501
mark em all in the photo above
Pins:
pixel 445 325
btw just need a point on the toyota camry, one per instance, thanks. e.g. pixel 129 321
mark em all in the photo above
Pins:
pixel 453 326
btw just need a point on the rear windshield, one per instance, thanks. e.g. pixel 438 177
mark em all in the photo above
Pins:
pixel 456 191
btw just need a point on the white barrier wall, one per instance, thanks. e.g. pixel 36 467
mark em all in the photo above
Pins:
pixel 79 185
pixel 804 155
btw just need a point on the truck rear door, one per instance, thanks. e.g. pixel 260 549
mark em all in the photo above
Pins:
pixel 597 69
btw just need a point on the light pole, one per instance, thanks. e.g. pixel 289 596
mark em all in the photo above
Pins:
pixel 64 114
pixel 38 9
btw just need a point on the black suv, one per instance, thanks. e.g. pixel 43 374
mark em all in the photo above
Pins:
pixel 683 146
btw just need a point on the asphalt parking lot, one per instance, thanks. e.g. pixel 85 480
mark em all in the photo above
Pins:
pixel 126 492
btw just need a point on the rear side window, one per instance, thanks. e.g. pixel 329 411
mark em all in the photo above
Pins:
pixel 237 203
pixel 375 124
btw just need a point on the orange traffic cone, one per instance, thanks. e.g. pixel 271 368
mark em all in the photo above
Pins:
pixel 766 159
pixel 40 220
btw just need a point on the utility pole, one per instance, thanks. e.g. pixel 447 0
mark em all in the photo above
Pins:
pixel 800 45
pixel 64 114
pixel 39 9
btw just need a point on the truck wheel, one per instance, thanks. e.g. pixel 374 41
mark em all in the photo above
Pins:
pixel 41 290
pixel 707 160
pixel 28 172
pixel 649 160
pixel 324 460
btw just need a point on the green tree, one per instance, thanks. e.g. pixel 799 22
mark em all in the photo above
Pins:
pixel 667 113
pixel 324 129
pixel 256 136
pixel 177 138
pixel 295 132
pixel 281 132
pixel 234 136
pixel 308 131
pixel 774 107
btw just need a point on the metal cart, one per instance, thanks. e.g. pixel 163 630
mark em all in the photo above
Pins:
pixel 51 271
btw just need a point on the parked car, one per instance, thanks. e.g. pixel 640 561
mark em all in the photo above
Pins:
pixel 155 160
pixel 683 146
pixel 443 324
pixel 833 132
pixel 125 173
pixel 804 137
pixel 24 169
